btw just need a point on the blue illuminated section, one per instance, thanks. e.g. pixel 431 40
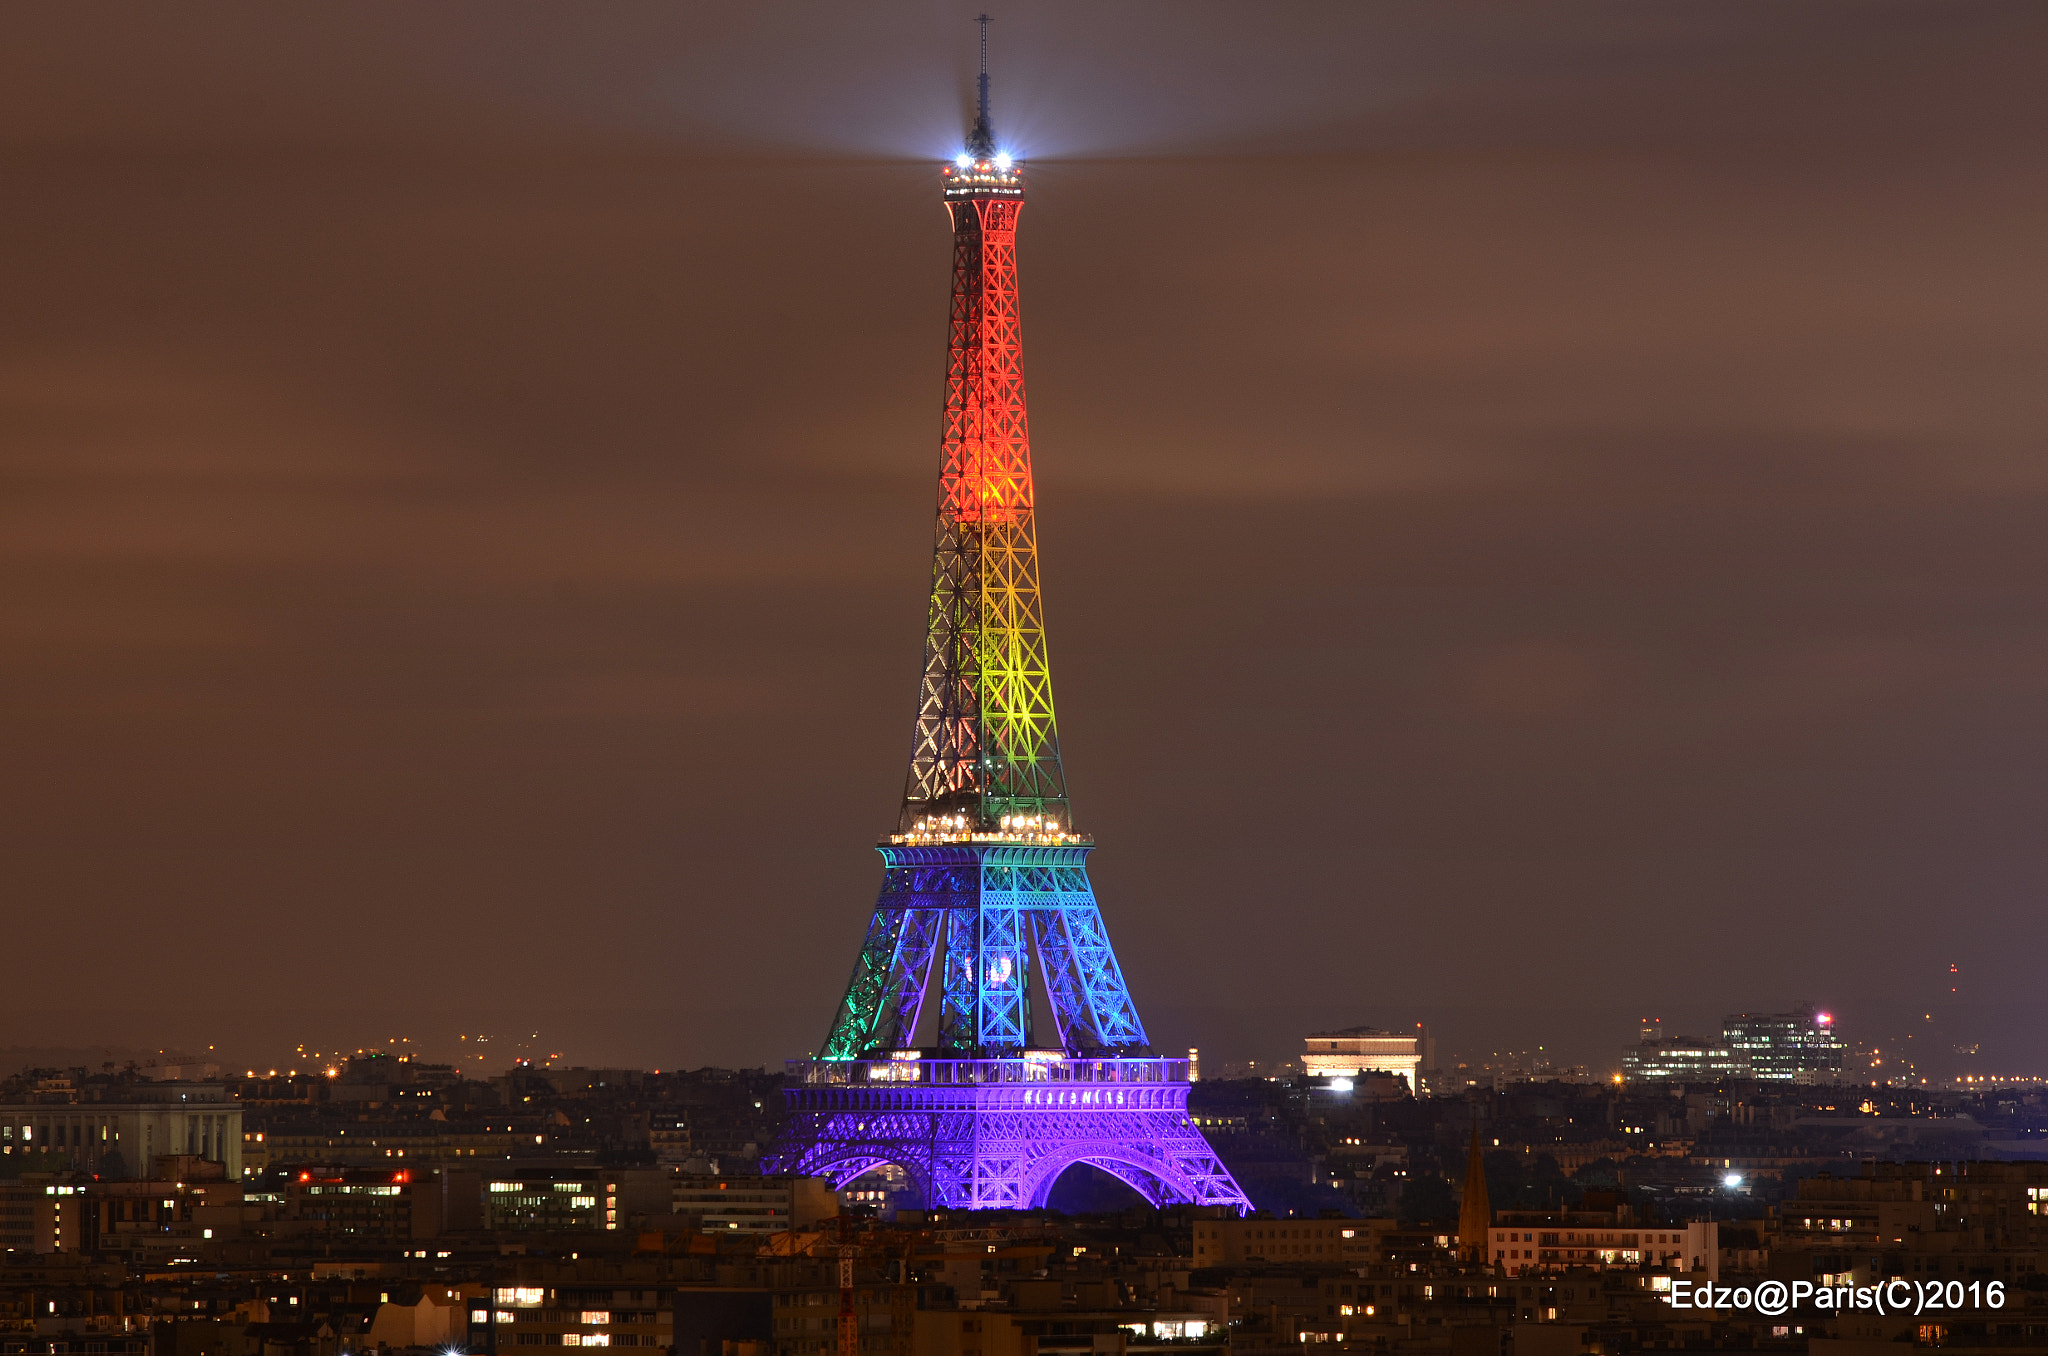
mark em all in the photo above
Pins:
pixel 983 1119
pixel 992 909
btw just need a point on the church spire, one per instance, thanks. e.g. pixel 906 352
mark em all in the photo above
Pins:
pixel 1475 1212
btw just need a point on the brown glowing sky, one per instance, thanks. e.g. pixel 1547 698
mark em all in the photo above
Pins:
pixel 1545 512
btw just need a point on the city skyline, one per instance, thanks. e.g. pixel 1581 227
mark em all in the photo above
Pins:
pixel 480 1052
pixel 1547 522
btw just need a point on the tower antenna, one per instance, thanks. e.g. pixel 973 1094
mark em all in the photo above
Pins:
pixel 982 106
pixel 982 140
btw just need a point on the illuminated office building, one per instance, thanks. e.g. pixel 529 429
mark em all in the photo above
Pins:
pixel 1682 1059
pixel 1790 1047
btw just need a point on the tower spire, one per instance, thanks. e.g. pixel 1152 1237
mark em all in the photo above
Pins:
pixel 986 754
pixel 982 140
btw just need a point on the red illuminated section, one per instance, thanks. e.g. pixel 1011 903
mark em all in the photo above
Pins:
pixel 985 468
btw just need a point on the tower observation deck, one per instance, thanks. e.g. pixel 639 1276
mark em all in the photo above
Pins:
pixel 984 1102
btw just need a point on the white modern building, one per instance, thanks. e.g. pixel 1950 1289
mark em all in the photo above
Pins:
pixel 1695 1247
pixel 1362 1050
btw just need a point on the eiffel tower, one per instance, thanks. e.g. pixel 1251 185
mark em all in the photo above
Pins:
pixel 985 880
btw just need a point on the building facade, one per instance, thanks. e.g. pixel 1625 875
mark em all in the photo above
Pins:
pixel 668 1135
pixel 1889 1206
pixel 573 1199
pixel 1791 1047
pixel 41 1213
pixel 754 1205
pixel 584 1316
pixel 1310 1242
pixel 1557 1246
pixel 121 1139
pixel 148 1222
pixel 1682 1059
pixel 1360 1050
pixel 377 1205
pixel 389 1143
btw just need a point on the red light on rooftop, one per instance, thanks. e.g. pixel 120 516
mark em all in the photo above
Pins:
pixel 1824 1019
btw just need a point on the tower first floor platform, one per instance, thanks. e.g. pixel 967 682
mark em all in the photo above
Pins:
pixel 981 1134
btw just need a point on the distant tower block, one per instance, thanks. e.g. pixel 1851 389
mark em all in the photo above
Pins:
pixel 985 881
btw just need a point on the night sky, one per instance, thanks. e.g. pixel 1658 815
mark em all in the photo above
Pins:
pixel 1544 513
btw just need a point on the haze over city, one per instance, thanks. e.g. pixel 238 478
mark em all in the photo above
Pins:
pixel 535 548
pixel 1541 514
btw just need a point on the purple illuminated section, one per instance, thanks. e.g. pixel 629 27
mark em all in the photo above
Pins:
pixel 981 1134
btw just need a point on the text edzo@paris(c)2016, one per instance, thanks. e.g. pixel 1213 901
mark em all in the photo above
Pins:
pixel 1896 1296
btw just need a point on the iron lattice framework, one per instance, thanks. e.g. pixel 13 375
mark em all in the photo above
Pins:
pixel 987 907
pixel 987 744
pixel 996 1134
pixel 985 882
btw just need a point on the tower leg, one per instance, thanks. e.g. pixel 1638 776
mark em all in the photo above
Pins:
pixel 886 994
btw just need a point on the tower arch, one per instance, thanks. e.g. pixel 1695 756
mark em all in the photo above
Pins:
pixel 1142 1173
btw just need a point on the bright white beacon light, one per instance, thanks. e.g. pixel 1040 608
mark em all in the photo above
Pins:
pixel 963 160
pixel 1002 160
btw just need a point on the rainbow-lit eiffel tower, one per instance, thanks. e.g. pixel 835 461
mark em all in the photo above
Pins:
pixel 986 876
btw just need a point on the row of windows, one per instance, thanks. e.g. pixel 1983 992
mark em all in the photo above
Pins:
pixel 352 1189
pixel 1288 1233
pixel 588 1339
pixel 1552 1239
pixel 529 1295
